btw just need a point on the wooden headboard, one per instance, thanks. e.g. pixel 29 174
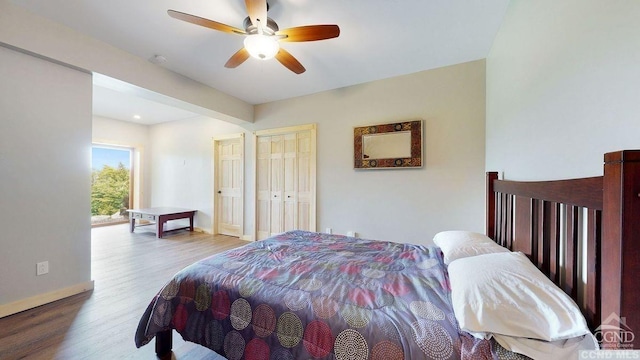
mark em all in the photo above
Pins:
pixel 567 226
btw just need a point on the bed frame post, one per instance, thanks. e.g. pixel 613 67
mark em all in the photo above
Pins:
pixel 164 343
pixel 620 312
pixel 490 228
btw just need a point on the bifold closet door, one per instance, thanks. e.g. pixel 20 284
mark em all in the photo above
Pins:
pixel 285 184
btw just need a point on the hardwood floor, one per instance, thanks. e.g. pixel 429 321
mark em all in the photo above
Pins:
pixel 128 269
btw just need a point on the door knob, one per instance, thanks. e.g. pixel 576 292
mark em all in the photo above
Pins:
pixel 219 192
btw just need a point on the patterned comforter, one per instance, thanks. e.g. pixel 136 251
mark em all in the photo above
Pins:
pixel 302 295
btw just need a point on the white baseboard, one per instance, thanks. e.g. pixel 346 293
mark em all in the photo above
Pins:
pixel 208 231
pixel 246 237
pixel 35 301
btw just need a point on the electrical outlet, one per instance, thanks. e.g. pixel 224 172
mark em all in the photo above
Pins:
pixel 328 231
pixel 352 233
pixel 42 268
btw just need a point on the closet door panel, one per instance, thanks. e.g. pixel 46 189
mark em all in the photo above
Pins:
pixel 277 184
pixel 289 185
pixel 303 180
pixel 263 188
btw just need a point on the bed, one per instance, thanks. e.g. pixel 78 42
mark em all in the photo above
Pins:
pixel 580 228
pixel 302 295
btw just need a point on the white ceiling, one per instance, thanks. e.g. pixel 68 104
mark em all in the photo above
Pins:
pixel 379 39
pixel 124 106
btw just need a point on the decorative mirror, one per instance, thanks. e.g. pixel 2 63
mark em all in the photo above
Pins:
pixel 394 145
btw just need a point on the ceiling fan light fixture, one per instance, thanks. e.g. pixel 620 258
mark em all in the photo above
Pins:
pixel 263 47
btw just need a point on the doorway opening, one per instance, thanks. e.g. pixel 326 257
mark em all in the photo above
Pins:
pixel 111 184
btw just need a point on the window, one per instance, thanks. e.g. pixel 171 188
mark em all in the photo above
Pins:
pixel 110 184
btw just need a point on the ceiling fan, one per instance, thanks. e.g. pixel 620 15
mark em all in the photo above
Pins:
pixel 262 35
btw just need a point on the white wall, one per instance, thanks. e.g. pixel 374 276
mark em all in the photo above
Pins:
pixel 45 177
pixel 24 30
pixel 121 133
pixel 562 87
pixel 408 205
pixel 181 165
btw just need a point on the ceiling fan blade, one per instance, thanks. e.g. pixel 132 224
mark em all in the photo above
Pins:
pixel 289 61
pixel 257 10
pixel 205 22
pixel 238 58
pixel 310 33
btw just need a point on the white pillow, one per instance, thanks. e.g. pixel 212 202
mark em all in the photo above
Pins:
pixel 504 293
pixel 456 244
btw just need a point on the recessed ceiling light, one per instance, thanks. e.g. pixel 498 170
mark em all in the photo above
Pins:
pixel 137 117
pixel 158 59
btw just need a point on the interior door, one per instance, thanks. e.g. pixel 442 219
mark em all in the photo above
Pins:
pixel 229 180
